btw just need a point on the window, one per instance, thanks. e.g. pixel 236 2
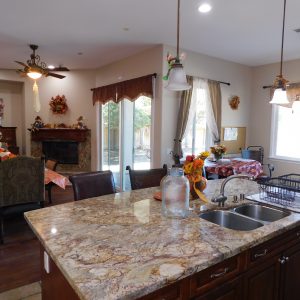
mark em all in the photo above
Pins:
pixel 126 137
pixel 201 130
pixel 284 138
pixel 194 140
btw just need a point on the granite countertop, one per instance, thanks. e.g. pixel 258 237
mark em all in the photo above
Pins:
pixel 120 246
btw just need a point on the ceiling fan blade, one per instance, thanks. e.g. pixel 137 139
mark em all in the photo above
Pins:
pixel 55 75
pixel 20 63
pixel 59 69
pixel 21 72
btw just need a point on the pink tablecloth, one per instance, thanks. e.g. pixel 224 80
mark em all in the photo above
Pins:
pixel 235 166
pixel 58 179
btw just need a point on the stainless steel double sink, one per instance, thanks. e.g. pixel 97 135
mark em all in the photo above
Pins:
pixel 245 217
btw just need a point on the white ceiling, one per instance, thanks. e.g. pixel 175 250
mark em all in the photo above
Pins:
pixel 247 32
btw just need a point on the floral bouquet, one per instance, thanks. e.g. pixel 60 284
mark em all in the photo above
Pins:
pixel 193 169
pixel 218 151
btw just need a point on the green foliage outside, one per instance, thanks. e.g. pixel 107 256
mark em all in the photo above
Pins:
pixel 141 117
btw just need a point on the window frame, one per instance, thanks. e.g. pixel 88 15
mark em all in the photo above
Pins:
pixel 273 138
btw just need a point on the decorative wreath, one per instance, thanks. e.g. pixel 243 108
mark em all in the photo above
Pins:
pixel 58 105
pixel 234 102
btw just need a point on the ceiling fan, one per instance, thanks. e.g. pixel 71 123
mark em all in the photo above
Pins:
pixel 35 68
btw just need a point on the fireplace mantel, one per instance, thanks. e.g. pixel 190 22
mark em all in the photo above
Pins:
pixel 65 134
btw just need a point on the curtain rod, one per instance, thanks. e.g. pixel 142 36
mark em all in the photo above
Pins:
pixel 222 82
pixel 153 74
pixel 227 83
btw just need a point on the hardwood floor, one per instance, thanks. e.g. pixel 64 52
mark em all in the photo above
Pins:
pixel 19 256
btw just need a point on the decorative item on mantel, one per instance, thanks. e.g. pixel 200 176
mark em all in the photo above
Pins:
pixel 58 105
pixel 80 124
pixel 218 151
pixel 234 102
pixel 38 123
pixel 193 169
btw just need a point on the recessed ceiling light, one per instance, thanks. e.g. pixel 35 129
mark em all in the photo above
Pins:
pixel 51 67
pixel 204 8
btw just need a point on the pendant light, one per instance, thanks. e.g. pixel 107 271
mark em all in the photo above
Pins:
pixel 280 96
pixel 177 76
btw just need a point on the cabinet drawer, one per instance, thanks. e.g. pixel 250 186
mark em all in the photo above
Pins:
pixel 273 247
pixel 209 278
pixel 175 291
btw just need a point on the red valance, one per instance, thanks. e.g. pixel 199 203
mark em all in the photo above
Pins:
pixel 130 89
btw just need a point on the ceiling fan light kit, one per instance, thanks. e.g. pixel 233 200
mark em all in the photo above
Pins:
pixel 35 69
pixel 280 95
pixel 177 77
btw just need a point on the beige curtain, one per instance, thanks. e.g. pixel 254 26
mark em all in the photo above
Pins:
pixel 129 89
pixel 215 95
pixel 183 113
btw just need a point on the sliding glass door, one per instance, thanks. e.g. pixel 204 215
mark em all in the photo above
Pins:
pixel 126 138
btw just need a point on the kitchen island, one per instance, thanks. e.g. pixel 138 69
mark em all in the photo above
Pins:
pixel 120 246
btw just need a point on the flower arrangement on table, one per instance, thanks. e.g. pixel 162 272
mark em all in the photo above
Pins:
pixel 193 169
pixel 218 151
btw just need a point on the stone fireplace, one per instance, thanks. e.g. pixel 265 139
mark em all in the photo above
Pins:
pixel 70 147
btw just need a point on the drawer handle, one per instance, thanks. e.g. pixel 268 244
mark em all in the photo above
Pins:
pixel 217 275
pixel 257 255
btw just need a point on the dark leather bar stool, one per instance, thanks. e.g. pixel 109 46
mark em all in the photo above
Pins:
pixel 141 179
pixel 92 184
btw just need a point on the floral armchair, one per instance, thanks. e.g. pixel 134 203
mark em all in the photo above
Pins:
pixel 21 187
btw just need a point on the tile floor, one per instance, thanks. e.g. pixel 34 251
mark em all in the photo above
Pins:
pixel 26 292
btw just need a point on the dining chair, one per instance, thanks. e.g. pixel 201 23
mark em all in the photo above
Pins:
pixel 21 187
pixel 257 153
pixel 92 184
pixel 50 164
pixel 141 179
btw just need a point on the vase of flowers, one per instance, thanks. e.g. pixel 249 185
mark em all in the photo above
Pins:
pixel 218 151
pixel 193 169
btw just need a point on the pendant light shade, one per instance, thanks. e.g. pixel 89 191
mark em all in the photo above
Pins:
pixel 177 76
pixel 280 96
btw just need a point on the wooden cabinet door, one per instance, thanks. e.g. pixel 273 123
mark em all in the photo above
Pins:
pixel 290 285
pixel 231 290
pixel 262 282
pixel 53 283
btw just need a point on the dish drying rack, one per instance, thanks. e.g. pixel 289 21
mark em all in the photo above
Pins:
pixel 283 190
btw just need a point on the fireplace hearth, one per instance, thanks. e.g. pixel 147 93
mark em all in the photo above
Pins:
pixel 70 147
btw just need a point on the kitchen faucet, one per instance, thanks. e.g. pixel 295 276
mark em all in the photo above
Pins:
pixel 221 198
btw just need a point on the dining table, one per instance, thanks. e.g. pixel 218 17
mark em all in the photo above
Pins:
pixel 57 178
pixel 227 167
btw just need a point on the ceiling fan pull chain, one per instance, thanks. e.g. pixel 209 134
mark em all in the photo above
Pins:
pixel 36 97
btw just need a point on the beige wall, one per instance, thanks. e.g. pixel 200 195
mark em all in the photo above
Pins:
pixel 261 110
pixel 203 66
